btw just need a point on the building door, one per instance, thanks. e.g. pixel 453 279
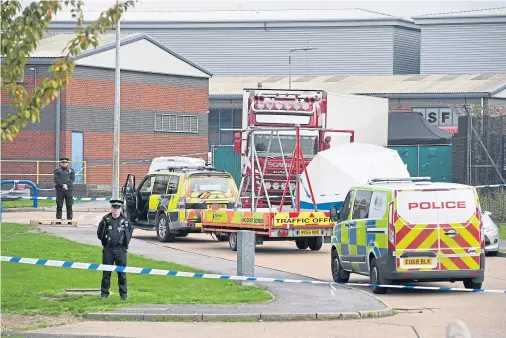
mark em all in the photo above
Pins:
pixel 78 155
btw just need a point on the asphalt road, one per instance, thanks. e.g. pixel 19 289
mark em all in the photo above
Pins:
pixel 419 313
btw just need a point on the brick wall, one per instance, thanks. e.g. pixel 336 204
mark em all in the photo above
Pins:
pixel 88 107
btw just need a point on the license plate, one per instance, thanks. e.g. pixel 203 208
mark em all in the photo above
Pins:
pixel 418 262
pixel 216 206
pixel 310 232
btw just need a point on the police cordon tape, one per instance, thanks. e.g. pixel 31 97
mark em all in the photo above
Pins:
pixel 172 273
pixel 490 186
pixel 75 198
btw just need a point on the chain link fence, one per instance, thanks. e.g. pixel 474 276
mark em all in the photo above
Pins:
pixel 479 151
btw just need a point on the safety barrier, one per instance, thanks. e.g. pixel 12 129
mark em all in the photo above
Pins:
pixel 172 273
pixel 43 168
pixel 35 196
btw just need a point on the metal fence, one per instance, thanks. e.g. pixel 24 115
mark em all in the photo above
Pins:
pixel 38 170
pixel 494 200
pixel 479 153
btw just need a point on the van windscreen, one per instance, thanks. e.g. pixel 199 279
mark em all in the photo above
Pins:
pixel 436 206
pixel 210 183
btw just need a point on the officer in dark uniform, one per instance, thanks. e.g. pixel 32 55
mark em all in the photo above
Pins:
pixel 64 183
pixel 115 232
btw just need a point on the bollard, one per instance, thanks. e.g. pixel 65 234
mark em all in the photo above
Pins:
pixel 245 253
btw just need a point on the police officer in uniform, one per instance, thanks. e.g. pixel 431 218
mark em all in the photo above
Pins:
pixel 115 232
pixel 64 180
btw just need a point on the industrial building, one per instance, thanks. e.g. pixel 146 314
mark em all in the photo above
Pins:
pixel 246 42
pixel 437 97
pixel 463 42
pixel 164 102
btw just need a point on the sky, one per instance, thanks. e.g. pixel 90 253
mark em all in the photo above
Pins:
pixel 405 9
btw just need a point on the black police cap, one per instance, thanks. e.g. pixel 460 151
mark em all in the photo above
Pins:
pixel 116 203
pixel 64 159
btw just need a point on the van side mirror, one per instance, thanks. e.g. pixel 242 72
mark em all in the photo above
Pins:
pixel 237 143
pixel 334 214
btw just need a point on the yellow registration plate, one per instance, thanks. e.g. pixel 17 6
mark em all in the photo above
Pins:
pixel 216 206
pixel 310 232
pixel 418 262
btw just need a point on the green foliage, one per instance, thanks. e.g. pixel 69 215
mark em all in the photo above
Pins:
pixel 22 29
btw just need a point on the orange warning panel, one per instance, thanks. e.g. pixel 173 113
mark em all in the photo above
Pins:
pixel 303 219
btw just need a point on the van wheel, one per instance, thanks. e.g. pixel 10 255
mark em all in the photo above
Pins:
pixel 376 278
pixel 163 230
pixel 232 241
pixel 338 273
pixel 221 237
pixel 302 244
pixel 469 284
pixel 315 243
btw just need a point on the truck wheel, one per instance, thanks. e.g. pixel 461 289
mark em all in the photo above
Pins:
pixel 315 243
pixel 302 244
pixel 338 273
pixel 232 241
pixel 469 284
pixel 376 278
pixel 163 230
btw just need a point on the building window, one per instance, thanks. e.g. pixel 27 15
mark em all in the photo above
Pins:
pixel 223 118
pixel 175 123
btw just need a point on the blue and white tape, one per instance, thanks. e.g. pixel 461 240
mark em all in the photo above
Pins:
pixel 172 273
pixel 491 186
pixel 50 198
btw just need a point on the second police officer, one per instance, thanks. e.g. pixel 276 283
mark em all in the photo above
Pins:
pixel 115 232
pixel 64 184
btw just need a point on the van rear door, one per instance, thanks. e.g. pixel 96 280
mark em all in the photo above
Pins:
pixel 437 229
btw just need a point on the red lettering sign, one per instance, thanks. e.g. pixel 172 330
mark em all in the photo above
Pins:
pixel 437 205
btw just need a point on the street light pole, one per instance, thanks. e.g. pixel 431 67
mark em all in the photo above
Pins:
pixel 115 159
pixel 290 63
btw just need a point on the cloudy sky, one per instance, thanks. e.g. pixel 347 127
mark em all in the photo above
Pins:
pixel 404 8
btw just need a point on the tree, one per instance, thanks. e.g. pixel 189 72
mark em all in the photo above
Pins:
pixel 22 29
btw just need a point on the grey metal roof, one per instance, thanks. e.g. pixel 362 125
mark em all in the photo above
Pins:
pixel 53 46
pixel 380 85
pixel 138 14
pixel 497 14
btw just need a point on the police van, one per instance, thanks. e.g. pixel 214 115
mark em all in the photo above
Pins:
pixel 407 230
pixel 171 198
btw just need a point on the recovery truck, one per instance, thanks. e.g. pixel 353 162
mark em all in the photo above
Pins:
pixel 282 131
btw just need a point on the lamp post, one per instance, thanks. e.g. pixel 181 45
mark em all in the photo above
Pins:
pixel 290 63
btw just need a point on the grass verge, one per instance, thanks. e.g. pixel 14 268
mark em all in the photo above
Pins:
pixel 29 204
pixel 31 289
pixel 502 231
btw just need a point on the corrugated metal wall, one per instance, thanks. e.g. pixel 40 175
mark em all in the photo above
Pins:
pixel 463 48
pixel 341 50
pixel 406 51
pixel 256 51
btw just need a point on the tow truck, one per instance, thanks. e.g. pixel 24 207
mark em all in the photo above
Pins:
pixel 282 131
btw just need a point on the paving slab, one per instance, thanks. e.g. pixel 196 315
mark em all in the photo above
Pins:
pixel 304 329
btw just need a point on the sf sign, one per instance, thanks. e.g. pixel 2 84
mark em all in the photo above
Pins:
pixel 441 117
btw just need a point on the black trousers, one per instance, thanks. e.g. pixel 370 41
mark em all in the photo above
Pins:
pixel 69 201
pixel 114 256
